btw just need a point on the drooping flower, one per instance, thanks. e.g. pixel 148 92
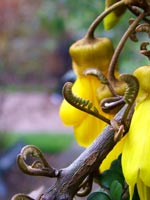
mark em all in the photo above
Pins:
pixel 88 53
pixel 86 126
pixel 136 151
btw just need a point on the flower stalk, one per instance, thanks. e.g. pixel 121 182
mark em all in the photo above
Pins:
pixel 120 46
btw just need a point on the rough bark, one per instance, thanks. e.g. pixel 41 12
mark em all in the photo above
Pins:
pixel 67 184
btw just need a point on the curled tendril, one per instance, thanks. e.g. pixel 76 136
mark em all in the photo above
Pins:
pixel 103 79
pixel 145 27
pixel 130 93
pixel 86 186
pixel 144 50
pixel 39 167
pixel 136 11
pixel 129 96
pixel 98 74
pixel 80 103
pixel 107 104
pixel 133 36
pixel 21 197
pixel 132 87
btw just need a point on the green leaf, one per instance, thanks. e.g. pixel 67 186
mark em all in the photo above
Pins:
pixel 109 176
pixel 98 196
pixel 116 165
pixel 114 173
pixel 116 190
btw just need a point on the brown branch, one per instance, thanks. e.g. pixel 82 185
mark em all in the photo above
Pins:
pixel 70 178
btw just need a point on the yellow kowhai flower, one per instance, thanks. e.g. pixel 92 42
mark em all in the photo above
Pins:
pixel 86 126
pixel 113 155
pixel 88 53
pixel 136 152
pixel 135 145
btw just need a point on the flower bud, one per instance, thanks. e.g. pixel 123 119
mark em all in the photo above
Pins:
pixel 91 53
pixel 113 18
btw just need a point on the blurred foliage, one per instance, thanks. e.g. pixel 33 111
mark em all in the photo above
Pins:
pixel 66 15
pixel 113 185
pixel 44 141
pixel 35 37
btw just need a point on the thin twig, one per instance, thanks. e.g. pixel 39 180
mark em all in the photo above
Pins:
pixel 120 46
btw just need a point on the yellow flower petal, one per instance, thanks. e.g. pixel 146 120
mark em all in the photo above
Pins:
pixel 114 153
pixel 88 130
pixel 135 156
pixel 84 87
pixel 143 75
pixel 70 115
pixel 143 190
